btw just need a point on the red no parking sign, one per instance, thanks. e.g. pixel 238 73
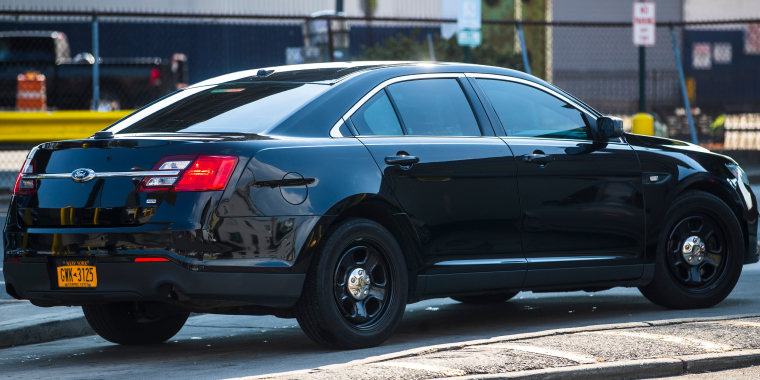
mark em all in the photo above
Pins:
pixel 643 23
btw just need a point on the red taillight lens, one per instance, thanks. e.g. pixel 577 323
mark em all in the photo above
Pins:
pixel 196 173
pixel 26 186
pixel 155 77
pixel 13 260
pixel 150 259
pixel 207 173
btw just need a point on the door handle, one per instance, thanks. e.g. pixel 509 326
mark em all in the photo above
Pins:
pixel 401 160
pixel 538 158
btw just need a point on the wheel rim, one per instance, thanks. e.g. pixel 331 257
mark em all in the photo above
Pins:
pixel 697 252
pixel 362 285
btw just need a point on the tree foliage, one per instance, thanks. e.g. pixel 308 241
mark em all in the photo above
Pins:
pixel 415 48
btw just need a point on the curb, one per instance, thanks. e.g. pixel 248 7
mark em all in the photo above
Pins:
pixel 45 332
pixel 626 369
pixel 634 369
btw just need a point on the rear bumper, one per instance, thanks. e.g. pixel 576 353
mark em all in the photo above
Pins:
pixel 129 281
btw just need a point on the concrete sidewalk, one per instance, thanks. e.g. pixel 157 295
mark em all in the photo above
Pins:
pixel 616 351
pixel 23 323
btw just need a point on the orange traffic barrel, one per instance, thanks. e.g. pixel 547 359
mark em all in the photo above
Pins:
pixel 31 92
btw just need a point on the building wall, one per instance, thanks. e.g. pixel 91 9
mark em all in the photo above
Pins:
pixel 385 8
pixel 700 10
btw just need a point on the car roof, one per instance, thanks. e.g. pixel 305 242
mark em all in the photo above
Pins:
pixel 333 72
pixel 322 73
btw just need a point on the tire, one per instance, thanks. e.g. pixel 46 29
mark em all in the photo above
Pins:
pixel 712 274
pixel 330 310
pixel 122 323
pixel 485 298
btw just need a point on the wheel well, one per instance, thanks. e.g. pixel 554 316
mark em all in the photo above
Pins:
pixel 725 196
pixel 383 214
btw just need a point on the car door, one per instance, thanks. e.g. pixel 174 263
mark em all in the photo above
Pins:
pixel 457 184
pixel 583 217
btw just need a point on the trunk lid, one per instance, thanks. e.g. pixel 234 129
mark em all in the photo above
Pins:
pixel 102 201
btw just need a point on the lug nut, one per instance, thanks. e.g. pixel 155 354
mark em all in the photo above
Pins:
pixel 361 272
pixel 687 246
pixel 694 239
pixel 690 258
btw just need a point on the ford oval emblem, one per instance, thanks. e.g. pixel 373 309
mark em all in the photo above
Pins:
pixel 82 175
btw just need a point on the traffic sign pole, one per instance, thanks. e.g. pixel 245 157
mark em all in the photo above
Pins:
pixel 642 79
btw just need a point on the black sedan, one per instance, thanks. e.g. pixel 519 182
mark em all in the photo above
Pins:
pixel 339 193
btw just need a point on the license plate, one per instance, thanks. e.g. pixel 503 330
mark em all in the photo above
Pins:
pixel 77 274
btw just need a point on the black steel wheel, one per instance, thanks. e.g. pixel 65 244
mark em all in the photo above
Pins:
pixel 699 255
pixel 697 250
pixel 362 284
pixel 355 291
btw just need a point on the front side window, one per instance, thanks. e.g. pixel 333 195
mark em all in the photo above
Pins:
pixel 434 107
pixel 525 111
pixel 226 108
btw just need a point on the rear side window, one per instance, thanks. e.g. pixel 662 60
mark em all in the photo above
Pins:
pixel 434 107
pixel 228 108
pixel 526 111
pixel 377 117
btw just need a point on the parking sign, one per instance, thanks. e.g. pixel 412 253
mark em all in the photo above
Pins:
pixel 468 14
pixel 643 23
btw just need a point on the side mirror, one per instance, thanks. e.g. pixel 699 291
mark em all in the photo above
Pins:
pixel 610 127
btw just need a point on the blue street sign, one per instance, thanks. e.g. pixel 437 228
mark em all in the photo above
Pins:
pixel 468 14
pixel 470 38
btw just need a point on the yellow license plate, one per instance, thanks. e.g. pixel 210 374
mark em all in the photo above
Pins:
pixel 77 274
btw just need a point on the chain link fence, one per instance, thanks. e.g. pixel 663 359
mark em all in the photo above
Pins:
pixel 47 62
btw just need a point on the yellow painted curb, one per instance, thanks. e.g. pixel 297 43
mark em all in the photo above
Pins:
pixel 38 127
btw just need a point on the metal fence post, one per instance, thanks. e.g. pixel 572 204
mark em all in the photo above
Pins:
pixel 331 47
pixel 694 139
pixel 96 63
pixel 523 48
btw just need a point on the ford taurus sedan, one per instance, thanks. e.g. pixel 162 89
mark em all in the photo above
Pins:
pixel 339 193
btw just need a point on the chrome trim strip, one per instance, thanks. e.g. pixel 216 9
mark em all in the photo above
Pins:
pixel 529 83
pixel 481 262
pixel 335 131
pixel 153 173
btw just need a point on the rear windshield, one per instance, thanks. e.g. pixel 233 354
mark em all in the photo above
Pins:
pixel 227 108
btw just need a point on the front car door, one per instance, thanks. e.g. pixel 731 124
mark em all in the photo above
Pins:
pixel 461 194
pixel 583 216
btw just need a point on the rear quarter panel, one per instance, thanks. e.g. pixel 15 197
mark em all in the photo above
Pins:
pixel 338 173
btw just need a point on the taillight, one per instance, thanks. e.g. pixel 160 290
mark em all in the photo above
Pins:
pixel 150 259
pixel 155 77
pixel 194 173
pixel 207 173
pixel 26 185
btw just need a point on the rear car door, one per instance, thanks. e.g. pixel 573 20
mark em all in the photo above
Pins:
pixel 452 176
pixel 583 217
